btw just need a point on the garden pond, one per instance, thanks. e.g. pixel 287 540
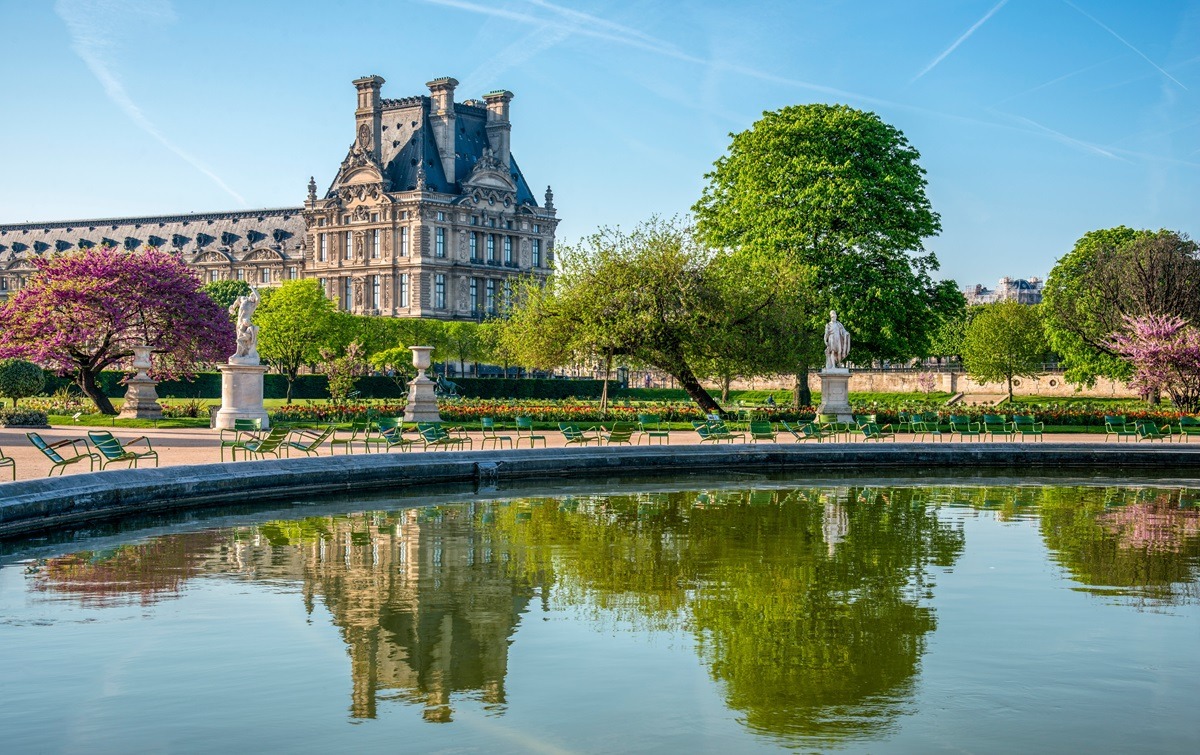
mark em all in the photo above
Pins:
pixel 737 615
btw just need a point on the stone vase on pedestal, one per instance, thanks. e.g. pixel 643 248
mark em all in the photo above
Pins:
pixel 241 394
pixel 422 402
pixel 835 393
pixel 141 398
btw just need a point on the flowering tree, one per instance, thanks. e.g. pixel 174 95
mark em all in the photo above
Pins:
pixel 82 312
pixel 1165 353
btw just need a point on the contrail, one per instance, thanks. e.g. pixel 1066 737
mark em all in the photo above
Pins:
pixel 91 35
pixel 1123 41
pixel 959 41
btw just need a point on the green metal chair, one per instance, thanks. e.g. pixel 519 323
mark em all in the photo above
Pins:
pixel 113 451
pixel 573 435
pixel 1148 431
pixel 242 430
pixel 1189 427
pixel 621 433
pixel 525 432
pixel 995 425
pixel 1028 426
pixel 58 461
pixel 271 443
pixel 1115 426
pixel 309 442
pixel 873 431
pixel 923 426
pixel 435 436
pixel 806 431
pixel 358 434
pixel 490 435
pixel 651 427
pixel 762 430
pixel 962 426
pixel 7 461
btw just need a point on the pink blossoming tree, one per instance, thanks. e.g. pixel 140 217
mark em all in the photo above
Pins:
pixel 83 311
pixel 1165 353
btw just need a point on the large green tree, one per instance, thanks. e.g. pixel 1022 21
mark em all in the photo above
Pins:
pixel 656 297
pixel 1110 274
pixel 1004 341
pixel 840 190
pixel 293 323
pixel 226 292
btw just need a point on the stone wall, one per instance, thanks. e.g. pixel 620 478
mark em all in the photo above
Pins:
pixel 868 381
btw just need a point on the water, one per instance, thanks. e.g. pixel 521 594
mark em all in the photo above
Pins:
pixel 940 618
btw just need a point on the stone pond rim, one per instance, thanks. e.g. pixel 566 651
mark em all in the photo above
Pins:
pixel 33 506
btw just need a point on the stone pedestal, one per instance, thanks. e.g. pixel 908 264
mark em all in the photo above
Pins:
pixel 422 402
pixel 141 400
pixel 241 395
pixel 835 393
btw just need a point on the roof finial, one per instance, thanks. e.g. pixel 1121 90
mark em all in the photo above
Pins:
pixel 549 199
pixel 312 189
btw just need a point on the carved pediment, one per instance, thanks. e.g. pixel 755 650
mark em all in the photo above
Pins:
pixel 20 266
pixel 263 255
pixel 212 257
pixel 490 173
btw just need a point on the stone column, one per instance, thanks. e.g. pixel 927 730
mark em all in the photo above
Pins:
pixel 422 402
pixel 141 399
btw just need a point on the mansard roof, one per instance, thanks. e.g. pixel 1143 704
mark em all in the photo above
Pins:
pixel 235 233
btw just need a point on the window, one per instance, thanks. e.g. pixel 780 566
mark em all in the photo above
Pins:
pixel 241 275
pixel 345 220
pixel 441 216
pixel 375 286
pixel 491 247
pixel 508 249
pixel 320 222
pixel 3 284
pixel 347 293
pixel 490 300
pixel 404 214
pixel 321 283
pixel 403 289
pixel 404 241
pixel 536 248
pixel 349 245
pixel 474 246
pixel 493 222
pixel 439 249
pixel 322 248
pixel 507 292
pixel 439 291
pixel 375 244
pixel 474 220
pixel 475 295
pixel 508 224
pixel 213 275
pixel 265 275
pixel 374 217
pixel 537 228
pixel 293 273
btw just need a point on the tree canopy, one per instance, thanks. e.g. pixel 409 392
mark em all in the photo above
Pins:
pixel 226 292
pixel 840 190
pixel 656 297
pixel 83 311
pixel 19 379
pixel 293 321
pixel 1111 274
pixel 1002 342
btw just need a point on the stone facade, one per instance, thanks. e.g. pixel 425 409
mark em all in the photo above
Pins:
pixel 428 216
pixel 1020 290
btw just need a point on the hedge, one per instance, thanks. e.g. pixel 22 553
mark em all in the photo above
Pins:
pixel 208 385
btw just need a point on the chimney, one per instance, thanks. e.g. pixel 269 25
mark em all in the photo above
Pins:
pixel 498 127
pixel 442 119
pixel 367 114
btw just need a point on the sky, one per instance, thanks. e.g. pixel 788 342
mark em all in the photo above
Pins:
pixel 1037 120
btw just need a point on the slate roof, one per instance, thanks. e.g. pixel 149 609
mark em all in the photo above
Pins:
pixel 407 140
pixel 236 233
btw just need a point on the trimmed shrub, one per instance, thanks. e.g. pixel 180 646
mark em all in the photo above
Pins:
pixel 20 379
pixel 23 418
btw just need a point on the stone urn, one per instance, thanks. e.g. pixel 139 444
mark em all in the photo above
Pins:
pixel 141 398
pixel 422 402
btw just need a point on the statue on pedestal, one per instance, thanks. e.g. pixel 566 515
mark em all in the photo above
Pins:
pixel 837 343
pixel 247 332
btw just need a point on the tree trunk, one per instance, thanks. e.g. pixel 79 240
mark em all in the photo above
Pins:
pixel 802 394
pixel 604 386
pixel 1010 392
pixel 291 378
pixel 86 380
pixel 689 383
pixel 725 381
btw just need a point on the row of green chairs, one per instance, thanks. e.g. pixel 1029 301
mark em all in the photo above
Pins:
pixel 109 450
pixel 1117 426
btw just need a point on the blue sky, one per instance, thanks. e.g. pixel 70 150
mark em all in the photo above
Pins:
pixel 1037 120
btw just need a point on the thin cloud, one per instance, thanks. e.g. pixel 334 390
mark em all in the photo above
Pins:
pixel 92 26
pixel 1125 42
pixel 1061 137
pixel 966 35
pixel 1056 80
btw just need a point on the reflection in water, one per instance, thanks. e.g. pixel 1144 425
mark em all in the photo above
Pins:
pixel 807 606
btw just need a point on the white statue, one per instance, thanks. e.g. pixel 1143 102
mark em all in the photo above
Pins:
pixel 837 343
pixel 247 332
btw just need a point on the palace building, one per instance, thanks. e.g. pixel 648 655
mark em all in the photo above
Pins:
pixel 428 215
